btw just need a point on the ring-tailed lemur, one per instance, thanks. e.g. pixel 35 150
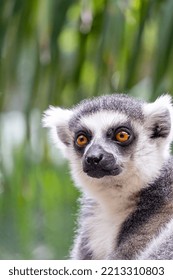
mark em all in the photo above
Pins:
pixel 118 148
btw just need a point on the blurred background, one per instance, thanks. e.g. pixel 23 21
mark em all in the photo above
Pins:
pixel 59 52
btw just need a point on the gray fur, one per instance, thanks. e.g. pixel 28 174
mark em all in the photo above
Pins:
pixel 115 102
pixel 127 202
pixel 161 248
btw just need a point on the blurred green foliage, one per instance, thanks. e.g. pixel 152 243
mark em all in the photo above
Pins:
pixel 59 52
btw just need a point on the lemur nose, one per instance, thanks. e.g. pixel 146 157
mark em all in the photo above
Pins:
pixel 94 160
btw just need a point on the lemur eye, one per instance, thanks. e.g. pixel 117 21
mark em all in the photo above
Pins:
pixel 122 136
pixel 82 140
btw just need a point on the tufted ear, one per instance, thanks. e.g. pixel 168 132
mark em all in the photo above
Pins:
pixel 159 117
pixel 57 119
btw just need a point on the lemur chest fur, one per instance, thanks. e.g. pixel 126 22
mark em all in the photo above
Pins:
pixel 103 225
pixel 103 229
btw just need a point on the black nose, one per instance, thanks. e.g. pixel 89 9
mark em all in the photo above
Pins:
pixel 94 159
pixel 98 163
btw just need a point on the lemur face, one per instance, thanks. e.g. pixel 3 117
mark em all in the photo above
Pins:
pixel 102 142
pixel 113 135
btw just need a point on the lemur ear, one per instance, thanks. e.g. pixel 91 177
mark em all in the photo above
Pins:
pixel 57 120
pixel 159 117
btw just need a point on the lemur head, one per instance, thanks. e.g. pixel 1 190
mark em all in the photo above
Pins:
pixel 113 138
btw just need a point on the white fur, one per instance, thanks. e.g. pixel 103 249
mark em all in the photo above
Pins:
pixel 103 228
pixel 56 117
pixel 99 121
pixel 148 157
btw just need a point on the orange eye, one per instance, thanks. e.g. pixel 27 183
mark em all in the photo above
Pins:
pixel 82 140
pixel 122 136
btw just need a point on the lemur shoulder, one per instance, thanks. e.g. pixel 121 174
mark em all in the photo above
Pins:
pixel 118 148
